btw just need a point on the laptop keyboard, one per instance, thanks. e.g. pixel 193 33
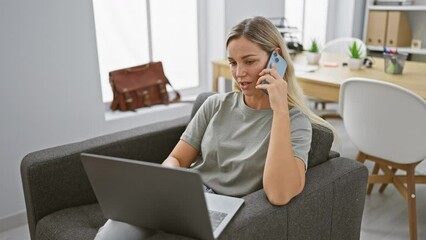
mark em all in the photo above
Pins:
pixel 216 218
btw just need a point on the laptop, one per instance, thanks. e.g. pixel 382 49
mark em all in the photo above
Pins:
pixel 152 196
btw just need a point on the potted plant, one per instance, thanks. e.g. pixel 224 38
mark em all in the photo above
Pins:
pixel 313 54
pixel 355 61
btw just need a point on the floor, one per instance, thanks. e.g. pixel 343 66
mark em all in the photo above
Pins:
pixel 385 215
pixel 19 233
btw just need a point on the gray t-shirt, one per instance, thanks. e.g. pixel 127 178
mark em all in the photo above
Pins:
pixel 233 140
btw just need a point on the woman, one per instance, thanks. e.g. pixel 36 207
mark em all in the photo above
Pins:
pixel 248 140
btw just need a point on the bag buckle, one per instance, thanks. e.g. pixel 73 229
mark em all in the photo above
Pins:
pixel 146 100
pixel 127 96
pixel 128 99
pixel 163 91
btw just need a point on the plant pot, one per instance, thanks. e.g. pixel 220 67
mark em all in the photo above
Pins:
pixel 313 58
pixel 355 63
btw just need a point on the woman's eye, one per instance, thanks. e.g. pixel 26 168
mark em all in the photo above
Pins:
pixel 232 63
pixel 249 62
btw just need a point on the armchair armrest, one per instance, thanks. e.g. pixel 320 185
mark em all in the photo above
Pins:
pixel 330 207
pixel 333 154
pixel 54 179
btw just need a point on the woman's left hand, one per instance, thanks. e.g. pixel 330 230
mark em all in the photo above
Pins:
pixel 277 88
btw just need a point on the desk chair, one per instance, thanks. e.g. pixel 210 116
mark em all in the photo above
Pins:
pixel 387 124
pixel 340 46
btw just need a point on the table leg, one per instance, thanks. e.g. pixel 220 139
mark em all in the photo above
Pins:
pixel 215 77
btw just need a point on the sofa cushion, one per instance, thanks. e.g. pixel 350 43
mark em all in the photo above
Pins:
pixel 322 139
pixel 82 223
pixel 65 224
pixel 199 101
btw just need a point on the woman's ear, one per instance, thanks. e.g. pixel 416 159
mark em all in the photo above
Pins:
pixel 278 50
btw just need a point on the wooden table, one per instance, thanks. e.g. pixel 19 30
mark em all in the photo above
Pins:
pixel 324 83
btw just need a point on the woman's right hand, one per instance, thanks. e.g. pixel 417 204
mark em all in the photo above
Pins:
pixel 171 162
pixel 277 88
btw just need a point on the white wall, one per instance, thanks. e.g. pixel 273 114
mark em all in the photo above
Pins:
pixel 215 41
pixel 345 19
pixel 237 10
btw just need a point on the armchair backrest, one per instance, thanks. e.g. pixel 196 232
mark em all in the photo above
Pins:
pixel 322 137
pixel 199 101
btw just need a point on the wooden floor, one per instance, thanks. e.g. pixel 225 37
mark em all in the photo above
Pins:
pixel 385 215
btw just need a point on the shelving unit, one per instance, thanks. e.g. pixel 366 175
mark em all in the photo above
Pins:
pixel 397 8
pixel 410 10
pixel 421 51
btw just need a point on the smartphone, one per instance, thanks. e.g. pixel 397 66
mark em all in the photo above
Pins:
pixel 279 63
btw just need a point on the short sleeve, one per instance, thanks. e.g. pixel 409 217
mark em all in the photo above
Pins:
pixel 196 128
pixel 301 135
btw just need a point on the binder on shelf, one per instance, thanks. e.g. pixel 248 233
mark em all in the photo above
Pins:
pixel 376 28
pixel 398 33
pixel 388 28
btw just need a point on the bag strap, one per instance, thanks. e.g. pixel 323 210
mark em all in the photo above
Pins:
pixel 115 102
pixel 177 97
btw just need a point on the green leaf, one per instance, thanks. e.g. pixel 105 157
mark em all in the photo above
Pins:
pixel 314 46
pixel 355 50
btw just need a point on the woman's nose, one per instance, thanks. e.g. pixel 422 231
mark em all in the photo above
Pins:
pixel 240 71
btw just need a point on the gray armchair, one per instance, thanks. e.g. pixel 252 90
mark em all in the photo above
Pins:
pixel 61 204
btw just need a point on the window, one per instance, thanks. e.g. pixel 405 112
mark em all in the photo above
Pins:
pixel 134 32
pixel 309 16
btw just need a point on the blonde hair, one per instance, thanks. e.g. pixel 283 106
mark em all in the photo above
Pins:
pixel 262 32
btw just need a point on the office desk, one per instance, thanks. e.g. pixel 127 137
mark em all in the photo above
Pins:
pixel 324 83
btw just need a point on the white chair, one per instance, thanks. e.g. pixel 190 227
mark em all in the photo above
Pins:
pixel 336 46
pixel 387 123
pixel 341 45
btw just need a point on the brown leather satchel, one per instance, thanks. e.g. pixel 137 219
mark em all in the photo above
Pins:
pixel 140 86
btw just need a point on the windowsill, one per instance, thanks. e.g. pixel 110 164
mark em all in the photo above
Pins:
pixel 182 106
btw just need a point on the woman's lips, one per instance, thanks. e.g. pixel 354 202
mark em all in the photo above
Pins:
pixel 244 85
